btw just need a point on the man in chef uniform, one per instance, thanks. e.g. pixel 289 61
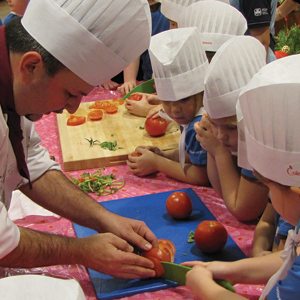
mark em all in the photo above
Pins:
pixel 49 59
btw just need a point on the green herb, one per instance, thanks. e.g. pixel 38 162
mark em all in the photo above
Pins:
pixel 191 237
pixel 98 183
pixel 141 127
pixel 112 146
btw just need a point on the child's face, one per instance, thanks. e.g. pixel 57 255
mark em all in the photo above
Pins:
pixel 285 200
pixel 183 111
pixel 18 6
pixel 225 129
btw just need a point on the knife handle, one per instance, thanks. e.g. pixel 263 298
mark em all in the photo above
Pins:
pixel 226 284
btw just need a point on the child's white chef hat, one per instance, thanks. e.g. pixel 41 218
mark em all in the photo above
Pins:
pixel 217 22
pixel 270 105
pixel 231 68
pixel 172 9
pixel 179 63
pixel 94 39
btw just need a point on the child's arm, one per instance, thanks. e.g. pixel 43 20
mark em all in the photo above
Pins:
pixel 245 199
pixel 256 270
pixel 150 162
pixel 130 73
pixel 264 232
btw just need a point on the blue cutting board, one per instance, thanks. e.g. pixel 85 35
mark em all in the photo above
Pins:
pixel 151 209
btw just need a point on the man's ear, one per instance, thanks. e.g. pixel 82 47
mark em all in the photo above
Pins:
pixel 30 66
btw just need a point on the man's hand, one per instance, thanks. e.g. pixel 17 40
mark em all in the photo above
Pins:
pixel 110 85
pixel 112 255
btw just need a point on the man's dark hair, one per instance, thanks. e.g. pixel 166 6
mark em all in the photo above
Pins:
pixel 20 41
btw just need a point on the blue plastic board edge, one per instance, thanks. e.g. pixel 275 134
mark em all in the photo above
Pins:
pixel 151 209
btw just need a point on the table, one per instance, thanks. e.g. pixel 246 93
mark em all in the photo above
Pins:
pixel 135 186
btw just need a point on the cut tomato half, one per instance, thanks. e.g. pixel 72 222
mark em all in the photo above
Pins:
pixel 112 109
pixel 95 114
pixel 74 120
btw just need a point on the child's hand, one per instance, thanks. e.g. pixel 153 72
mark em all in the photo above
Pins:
pixel 206 137
pixel 110 85
pixel 126 87
pixel 139 108
pixel 142 165
pixel 153 113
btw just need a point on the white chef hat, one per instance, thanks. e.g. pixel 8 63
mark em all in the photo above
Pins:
pixel 179 63
pixel 217 22
pixel 94 39
pixel 171 9
pixel 232 67
pixel 270 105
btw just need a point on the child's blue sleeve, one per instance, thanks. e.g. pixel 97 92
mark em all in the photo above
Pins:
pixel 248 173
pixel 197 155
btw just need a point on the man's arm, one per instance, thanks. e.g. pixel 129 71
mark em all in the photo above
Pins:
pixel 58 194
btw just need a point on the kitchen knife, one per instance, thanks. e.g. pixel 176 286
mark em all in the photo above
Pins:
pixel 177 273
pixel 145 87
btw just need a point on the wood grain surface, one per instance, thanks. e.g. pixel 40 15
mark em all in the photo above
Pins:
pixel 122 127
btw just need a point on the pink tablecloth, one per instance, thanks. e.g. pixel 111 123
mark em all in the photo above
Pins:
pixel 135 186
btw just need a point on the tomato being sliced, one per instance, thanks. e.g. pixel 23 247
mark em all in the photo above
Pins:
pixel 135 97
pixel 164 251
pixel 112 109
pixel 95 114
pixel 75 120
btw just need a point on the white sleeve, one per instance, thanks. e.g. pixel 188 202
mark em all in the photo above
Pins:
pixel 9 233
pixel 38 159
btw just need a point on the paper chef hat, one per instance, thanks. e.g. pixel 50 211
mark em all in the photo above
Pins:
pixel 217 22
pixel 171 9
pixel 179 63
pixel 270 105
pixel 232 67
pixel 94 39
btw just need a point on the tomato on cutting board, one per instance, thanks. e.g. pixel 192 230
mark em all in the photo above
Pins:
pixel 210 236
pixel 112 109
pixel 95 114
pixel 135 97
pixel 179 205
pixel 164 251
pixel 135 154
pixel 74 120
pixel 156 126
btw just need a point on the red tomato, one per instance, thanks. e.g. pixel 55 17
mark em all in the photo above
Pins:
pixel 136 97
pixel 210 236
pixel 179 205
pixel 95 114
pixel 112 109
pixel 101 104
pixel 164 251
pixel 75 120
pixel 156 126
pixel 280 54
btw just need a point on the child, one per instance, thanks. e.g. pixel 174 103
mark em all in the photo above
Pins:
pixel 179 65
pixel 230 69
pixel 270 107
pixel 140 69
pixel 17 8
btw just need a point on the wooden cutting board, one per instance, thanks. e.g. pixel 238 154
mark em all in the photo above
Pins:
pixel 122 127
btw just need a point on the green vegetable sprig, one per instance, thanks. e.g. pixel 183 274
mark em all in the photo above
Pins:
pixel 112 146
pixel 98 183
pixel 191 237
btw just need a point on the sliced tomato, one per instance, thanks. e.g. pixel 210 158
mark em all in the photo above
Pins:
pixel 135 154
pixel 112 109
pixel 100 104
pixel 280 54
pixel 95 114
pixel 118 101
pixel 135 97
pixel 74 120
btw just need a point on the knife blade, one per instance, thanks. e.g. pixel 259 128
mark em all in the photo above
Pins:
pixel 177 273
pixel 145 87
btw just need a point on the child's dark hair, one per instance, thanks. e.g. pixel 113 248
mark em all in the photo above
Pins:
pixel 20 41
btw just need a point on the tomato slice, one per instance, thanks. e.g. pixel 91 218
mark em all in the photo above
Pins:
pixel 118 101
pixel 135 97
pixel 95 114
pixel 112 109
pixel 100 104
pixel 74 120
